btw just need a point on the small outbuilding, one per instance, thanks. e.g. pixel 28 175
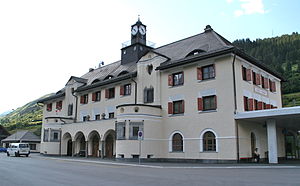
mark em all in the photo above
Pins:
pixel 24 136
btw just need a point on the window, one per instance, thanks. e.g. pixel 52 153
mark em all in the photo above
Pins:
pixel 59 105
pixel 209 141
pixel 86 118
pixel 125 90
pixel 246 105
pixel 206 72
pixel 178 107
pixel 254 78
pixel 32 146
pixel 110 93
pixel 149 95
pixel 265 82
pixel 111 115
pixel 54 136
pixel 96 96
pixel 255 104
pixel 97 117
pixel 175 79
pixel 134 128
pixel 46 135
pixel 120 128
pixel 177 143
pixel 84 99
pixel 49 107
pixel 272 86
pixel 209 103
pixel 70 109
pixel 246 74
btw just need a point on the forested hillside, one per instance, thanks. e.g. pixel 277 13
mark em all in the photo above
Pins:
pixel 280 53
pixel 27 117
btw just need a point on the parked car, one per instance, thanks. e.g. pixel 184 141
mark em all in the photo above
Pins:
pixel 18 149
pixel 2 149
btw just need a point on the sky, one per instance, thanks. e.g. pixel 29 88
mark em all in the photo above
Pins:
pixel 44 43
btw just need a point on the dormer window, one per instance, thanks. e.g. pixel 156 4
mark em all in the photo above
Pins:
pixel 195 52
pixel 95 81
pixel 108 77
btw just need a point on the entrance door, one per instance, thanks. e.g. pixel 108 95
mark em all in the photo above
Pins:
pixel 253 143
pixel 290 146
pixel 69 148
pixel 95 146
pixel 109 146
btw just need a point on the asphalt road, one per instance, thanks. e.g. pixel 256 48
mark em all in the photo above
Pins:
pixel 44 171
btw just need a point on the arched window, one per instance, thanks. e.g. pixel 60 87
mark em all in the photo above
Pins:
pixel 177 143
pixel 122 73
pixel 108 77
pixel 209 141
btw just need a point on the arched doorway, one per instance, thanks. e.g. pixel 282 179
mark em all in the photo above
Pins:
pixel 80 144
pixel 67 144
pixel 253 143
pixel 94 141
pixel 110 144
pixel 290 146
pixel 69 147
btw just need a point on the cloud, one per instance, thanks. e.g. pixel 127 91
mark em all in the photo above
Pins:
pixel 249 7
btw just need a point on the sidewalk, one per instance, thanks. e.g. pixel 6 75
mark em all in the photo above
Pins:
pixel 167 165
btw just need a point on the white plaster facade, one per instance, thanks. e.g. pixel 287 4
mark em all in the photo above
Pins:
pixel 100 137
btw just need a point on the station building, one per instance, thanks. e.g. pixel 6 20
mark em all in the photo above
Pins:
pixel 197 99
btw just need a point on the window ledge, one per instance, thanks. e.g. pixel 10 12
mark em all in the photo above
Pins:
pixel 206 111
pixel 174 86
pixel 176 152
pixel 125 95
pixel 174 115
pixel 204 80
pixel 208 152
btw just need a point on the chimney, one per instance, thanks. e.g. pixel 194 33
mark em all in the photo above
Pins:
pixel 208 28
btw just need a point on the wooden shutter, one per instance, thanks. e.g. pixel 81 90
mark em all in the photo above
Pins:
pixel 122 90
pixel 266 83
pixel 199 73
pixel 214 69
pixel 200 104
pixel 94 96
pixel 106 93
pixel 170 108
pixel 273 86
pixel 82 99
pixel 248 74
pixel 250 104
pixel 258 78
pixel 259 105
pixel 268 106
pixel 170 80
pixel 182 106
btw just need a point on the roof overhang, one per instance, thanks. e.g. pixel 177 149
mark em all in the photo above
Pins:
pixel 285 117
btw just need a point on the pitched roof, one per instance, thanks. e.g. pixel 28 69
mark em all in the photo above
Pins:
pixel 23 135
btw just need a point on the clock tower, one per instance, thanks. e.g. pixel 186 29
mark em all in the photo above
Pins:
pixel 137 47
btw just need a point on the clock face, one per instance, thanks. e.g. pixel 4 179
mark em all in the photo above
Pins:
pixel 134 30
pixel 142 30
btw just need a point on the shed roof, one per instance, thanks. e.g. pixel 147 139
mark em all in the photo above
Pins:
pixel 23 135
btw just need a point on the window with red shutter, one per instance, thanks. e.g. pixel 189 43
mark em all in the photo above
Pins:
pixel 244 76
pixel 49 107
pixel 209 102
pixel 170 107
pixel 248 74
pixel 122 90
pixel 250 104
pixel 258 78
pixel 199 73
pixel 273 86
pixel 81 99
pixel 170 80
pixel 106 93
pixel 259 105
pixel 200 104
pixel 94 96
pixel 246 107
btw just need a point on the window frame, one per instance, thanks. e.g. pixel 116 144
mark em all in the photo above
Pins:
pixel 178 79
pixel 127 89
pixel 149 95
pixel 49 107
pixel 205 142
pixel 111 93
pixel 211 106
pixel 178 146
pixel 211 72
pixel 180 105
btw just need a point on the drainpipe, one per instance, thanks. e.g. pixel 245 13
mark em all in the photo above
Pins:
pixel 60 136
pixel 135 91
pixel 76 101
pixel 235 109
